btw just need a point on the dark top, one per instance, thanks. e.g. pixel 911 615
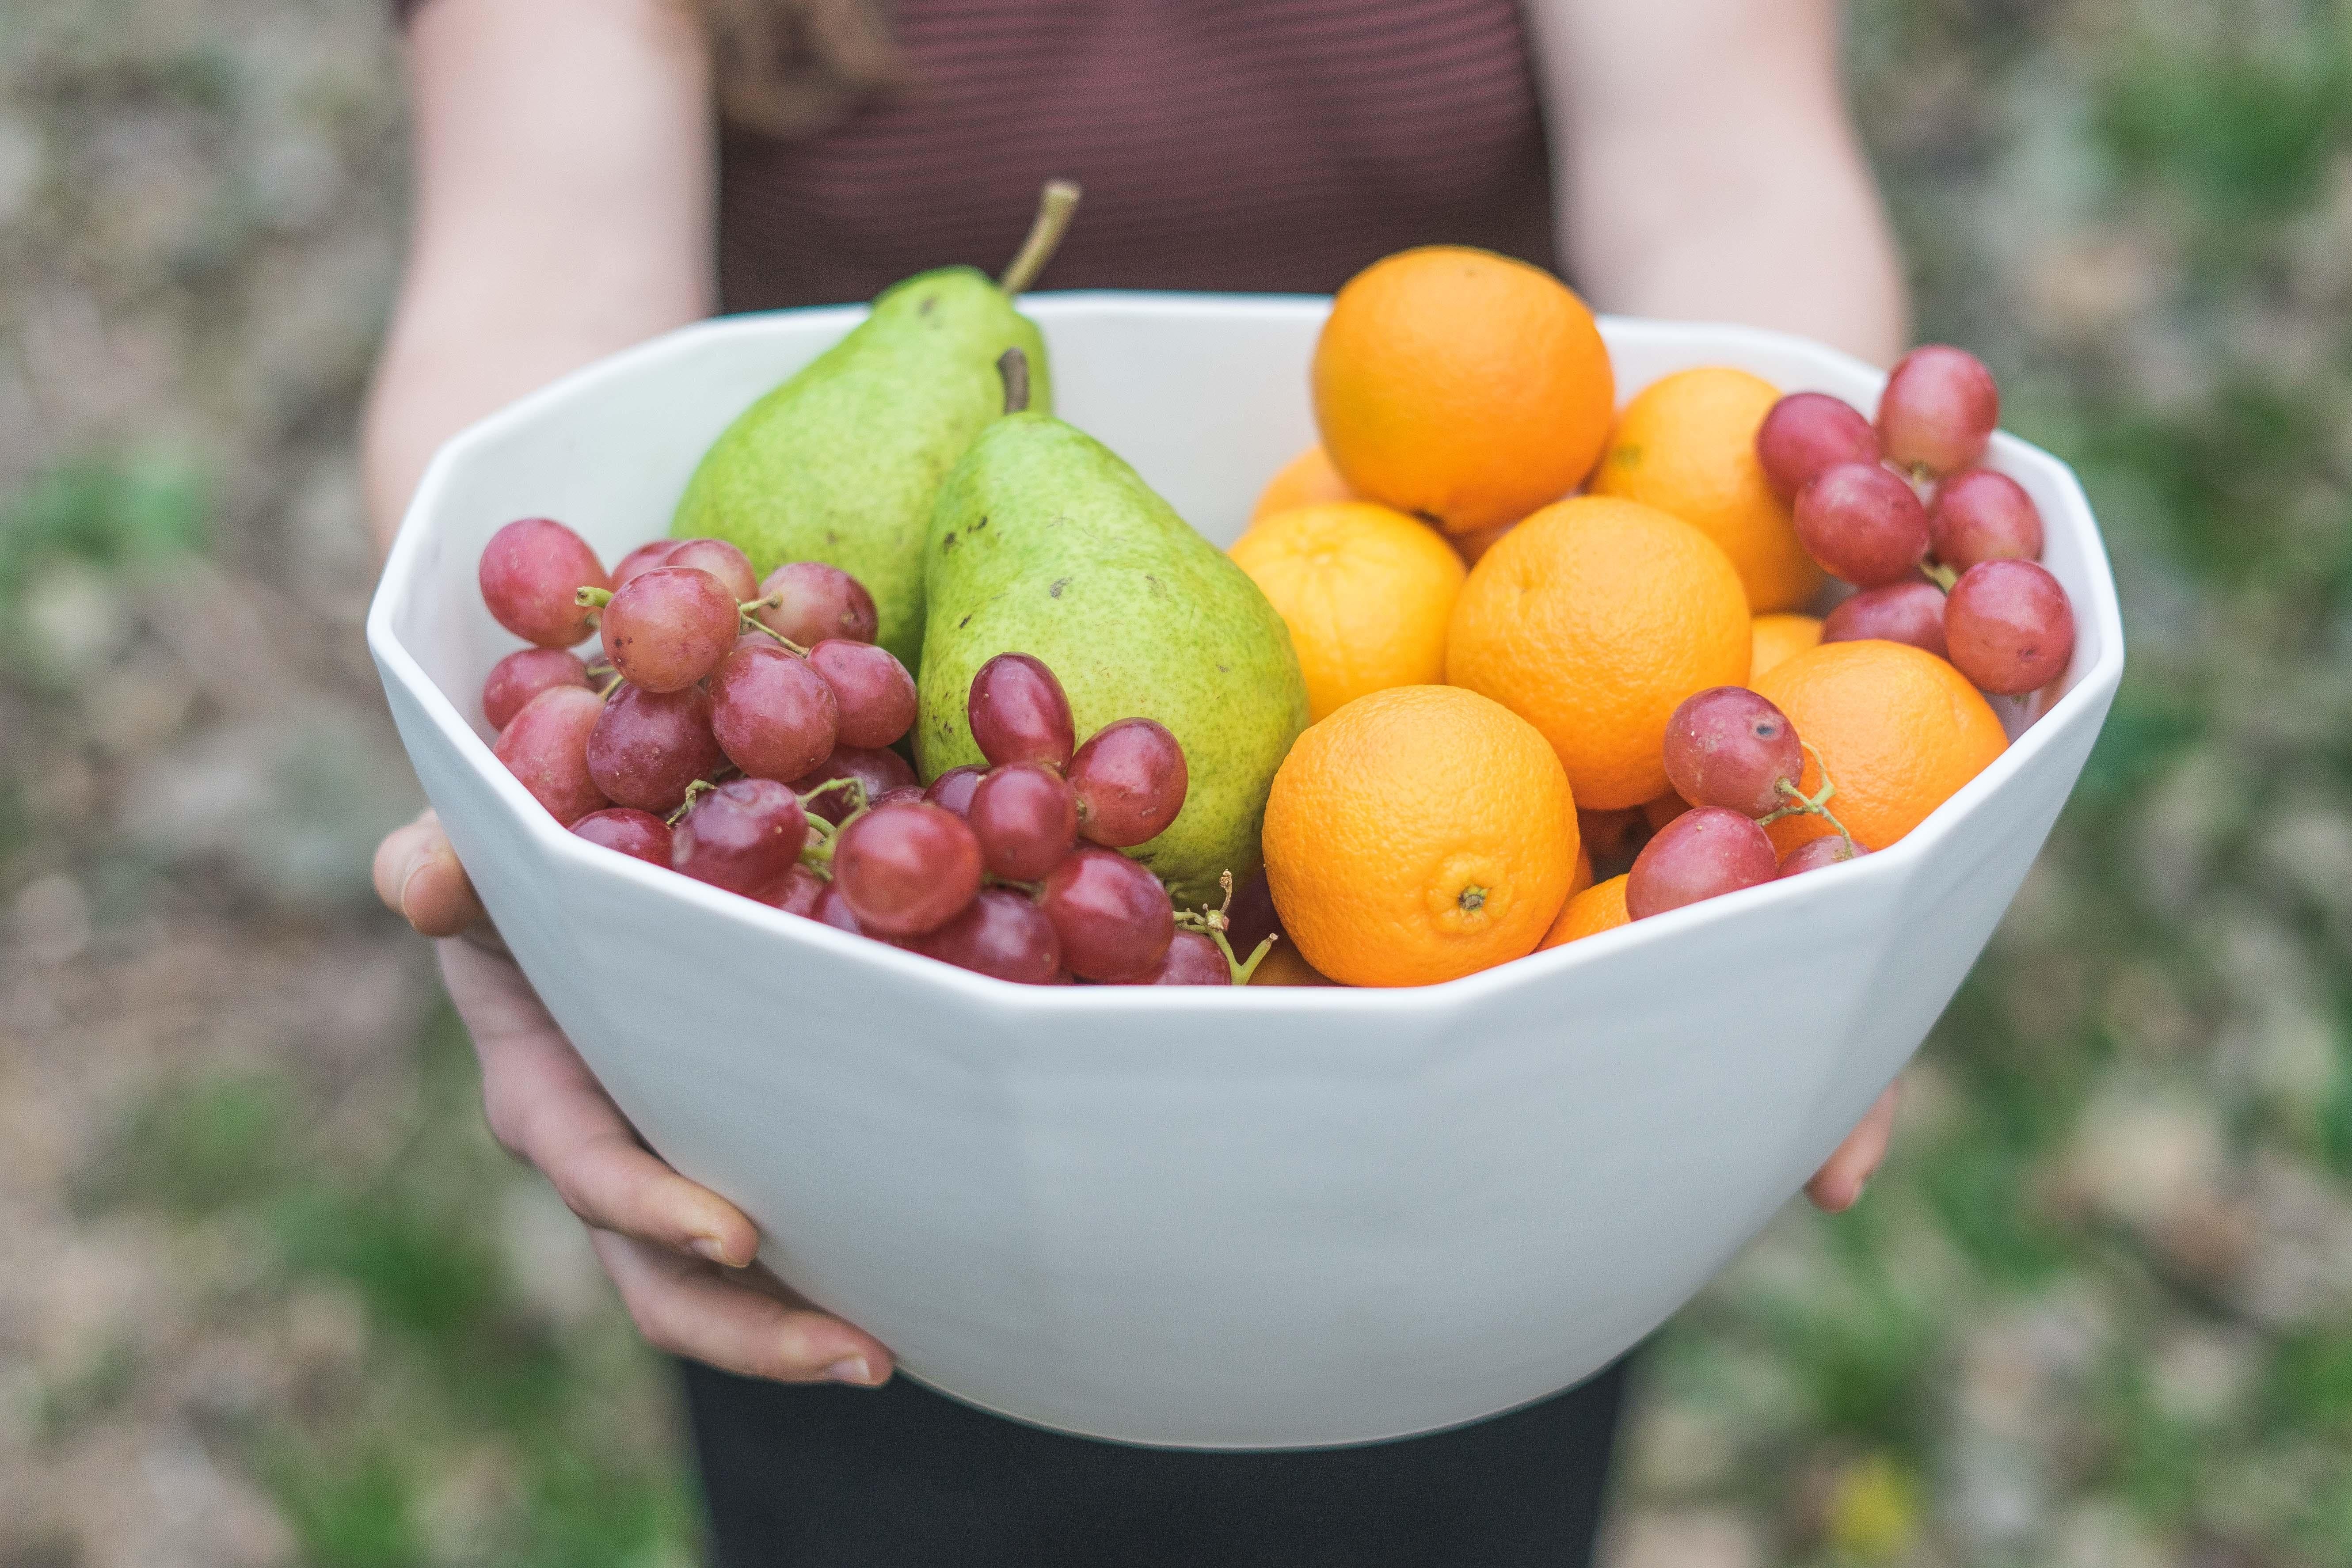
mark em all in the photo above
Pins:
pixel 1223 144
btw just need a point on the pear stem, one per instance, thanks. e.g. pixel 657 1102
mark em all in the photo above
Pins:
pixel 1013 365
pixel 1055 205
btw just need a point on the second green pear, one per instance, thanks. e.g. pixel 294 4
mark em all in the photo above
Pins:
pixel 843 462
pixel 1044 541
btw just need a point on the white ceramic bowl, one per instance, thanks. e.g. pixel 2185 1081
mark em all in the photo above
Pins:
pixel 1255 1218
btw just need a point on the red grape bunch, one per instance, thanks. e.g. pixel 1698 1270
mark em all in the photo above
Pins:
pixel 1013 869
pixel 743 732
pixel 1958 574
pixel 1739 762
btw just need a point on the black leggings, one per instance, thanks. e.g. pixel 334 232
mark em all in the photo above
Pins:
pixel 903 1477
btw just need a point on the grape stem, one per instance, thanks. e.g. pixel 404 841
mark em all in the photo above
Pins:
pixel 699 787
pixel 589 598
pixel 1213 924
pixel 1939 575
pixel 747 616
pixel 1814 804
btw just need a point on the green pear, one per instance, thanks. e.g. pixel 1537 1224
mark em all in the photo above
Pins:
pixel 1045 542
pixel 841 463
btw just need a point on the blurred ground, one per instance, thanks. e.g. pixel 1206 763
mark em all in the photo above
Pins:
pixel 270 1297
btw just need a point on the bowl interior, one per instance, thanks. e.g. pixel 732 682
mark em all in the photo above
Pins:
pixel 1205 394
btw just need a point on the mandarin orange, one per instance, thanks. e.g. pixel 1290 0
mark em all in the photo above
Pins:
pixel 1306 480
pixel 1686 444
pixel 1600 907
pixel 1900 730
pixel 1462 387
pixel 1418 835
pixel 1592 620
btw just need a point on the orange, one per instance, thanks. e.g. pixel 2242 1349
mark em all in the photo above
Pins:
pixel 1592 620
pixel 1688 445
pixel 1305 479
pixel 1582 878
pixel 1418 835
pixel 1777 637
pixel 1600 907
pixel 1899 728
pixel 1366 594
pixel 1464 387
pixel 1283 966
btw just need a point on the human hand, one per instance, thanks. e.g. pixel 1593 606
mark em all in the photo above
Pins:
pixel 1837 1185
pixel 681 1255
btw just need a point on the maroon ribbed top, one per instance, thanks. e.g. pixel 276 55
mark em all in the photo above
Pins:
pixel 1223 144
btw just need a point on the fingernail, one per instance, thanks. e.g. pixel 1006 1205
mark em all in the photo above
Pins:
pixel 849 1369
pixel 416 862
pixel 711 1250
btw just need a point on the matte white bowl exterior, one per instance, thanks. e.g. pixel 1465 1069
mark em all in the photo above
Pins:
pixel 1259 1217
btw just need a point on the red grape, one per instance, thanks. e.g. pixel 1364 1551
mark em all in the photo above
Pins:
pixel 1114 917
pixel 1830 849
pixel 722 561
pixel 818 602
pixel 1909 612
pixel 523 675
pixel 647 746
pixel 881 770
pixel 1862 524
pixel 835 910
pixel 1002 933
pixel 546 746
pixel 644 558
pixel 531 573
pixel 670 627
pixel 1806 432
pixel 907 869
pixel 875 693
pixel 1131 781
pixel 953 788
pixel 1025 817
pixel 2010 626
pixel 799 892
pixel 746 836
pixel 1019 714
pixel 628 830
pixel 901 795
pixel 1981 514
pixel 773 715
pixel 1938 410
pixel 1728 747
pixel 1192 959
pixel 1698 855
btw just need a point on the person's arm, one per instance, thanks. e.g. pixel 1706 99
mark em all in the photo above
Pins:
pixel 563 210
pixel 1708 170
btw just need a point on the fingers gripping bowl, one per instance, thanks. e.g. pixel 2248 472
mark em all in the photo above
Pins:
pixel 1239 1217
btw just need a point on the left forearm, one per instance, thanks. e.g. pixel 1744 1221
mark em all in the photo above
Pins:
pixel 1718 182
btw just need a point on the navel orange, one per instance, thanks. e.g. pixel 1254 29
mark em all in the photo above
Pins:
pixel 1367 593
pixel 1418 835
pixel 1686 444
pixel 1592 620
pixel 1900 729
pixel 1462 387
